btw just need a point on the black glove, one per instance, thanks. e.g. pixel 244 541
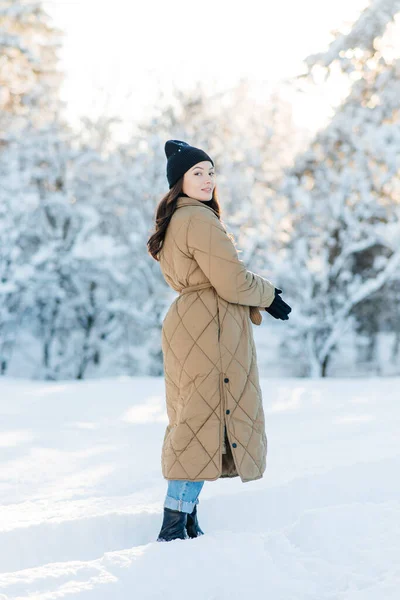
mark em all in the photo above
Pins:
pixel 279 309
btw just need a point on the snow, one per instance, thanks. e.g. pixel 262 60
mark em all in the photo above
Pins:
pixel 82 493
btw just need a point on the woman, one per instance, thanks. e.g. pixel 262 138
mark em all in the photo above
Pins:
pixel 214 404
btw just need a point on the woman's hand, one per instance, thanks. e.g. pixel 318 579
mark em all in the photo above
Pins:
pixel 279 309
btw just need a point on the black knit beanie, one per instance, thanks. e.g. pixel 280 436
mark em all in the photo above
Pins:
pixel 181 157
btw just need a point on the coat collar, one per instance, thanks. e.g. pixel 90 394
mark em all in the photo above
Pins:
pixel 188 201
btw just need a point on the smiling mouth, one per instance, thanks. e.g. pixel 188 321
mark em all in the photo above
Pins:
pixel 207 190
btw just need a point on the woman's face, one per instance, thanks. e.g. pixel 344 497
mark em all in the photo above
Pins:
pixel 199 181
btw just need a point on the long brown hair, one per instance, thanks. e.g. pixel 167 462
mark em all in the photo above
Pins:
pixel 163 214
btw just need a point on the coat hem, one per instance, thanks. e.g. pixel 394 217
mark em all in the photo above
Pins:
pixel 213 478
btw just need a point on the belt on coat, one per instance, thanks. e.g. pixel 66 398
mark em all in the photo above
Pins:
pixel 255 315
pixel 193 288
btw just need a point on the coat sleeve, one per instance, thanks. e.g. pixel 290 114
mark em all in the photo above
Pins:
pixel 216 255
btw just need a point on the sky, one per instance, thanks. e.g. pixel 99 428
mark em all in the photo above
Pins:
pixel 117 53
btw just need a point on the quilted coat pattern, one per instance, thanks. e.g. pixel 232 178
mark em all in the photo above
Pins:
pixel 216 425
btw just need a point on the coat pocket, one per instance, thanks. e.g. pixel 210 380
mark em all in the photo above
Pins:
pixel 179 410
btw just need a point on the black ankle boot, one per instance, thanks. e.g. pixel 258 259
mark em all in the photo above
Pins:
pixel 192 525
pixel 174 526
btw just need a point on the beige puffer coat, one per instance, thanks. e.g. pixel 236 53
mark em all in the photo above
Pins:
pixel 214 404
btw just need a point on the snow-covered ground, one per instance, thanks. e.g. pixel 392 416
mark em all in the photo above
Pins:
pixel 81 495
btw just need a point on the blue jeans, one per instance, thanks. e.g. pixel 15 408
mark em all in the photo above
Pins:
pixel 182 495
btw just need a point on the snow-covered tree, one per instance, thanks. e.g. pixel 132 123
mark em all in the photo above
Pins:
pixel 29 80
pixel 342 214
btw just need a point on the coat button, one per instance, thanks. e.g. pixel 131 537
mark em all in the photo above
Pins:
pixel 226 379
pixel 228 411
pixel 234 445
